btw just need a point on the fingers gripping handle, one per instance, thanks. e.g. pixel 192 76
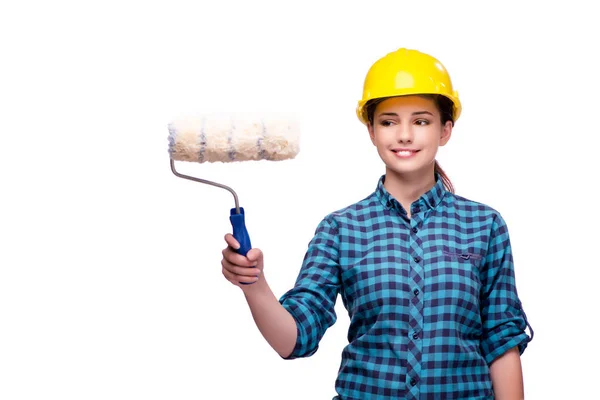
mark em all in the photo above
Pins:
pixel 240 233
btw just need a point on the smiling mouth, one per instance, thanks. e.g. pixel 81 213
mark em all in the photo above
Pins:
pixel 405 153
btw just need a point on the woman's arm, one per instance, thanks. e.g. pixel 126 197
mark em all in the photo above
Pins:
pixel 507 376
pixel 275 323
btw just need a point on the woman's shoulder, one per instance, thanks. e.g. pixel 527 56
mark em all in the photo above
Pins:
pixel 470 208
pixel 356 209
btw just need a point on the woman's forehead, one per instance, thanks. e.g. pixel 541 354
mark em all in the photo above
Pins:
pixel 408 102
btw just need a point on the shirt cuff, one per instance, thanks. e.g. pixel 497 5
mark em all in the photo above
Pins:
pixel 299 350
pixel 502 346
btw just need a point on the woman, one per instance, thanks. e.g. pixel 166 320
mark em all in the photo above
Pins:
pixel 426 275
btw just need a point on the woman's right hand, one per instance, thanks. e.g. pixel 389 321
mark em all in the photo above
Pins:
pixel 239 269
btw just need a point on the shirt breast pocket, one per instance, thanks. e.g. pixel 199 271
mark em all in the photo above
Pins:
pixel 453 287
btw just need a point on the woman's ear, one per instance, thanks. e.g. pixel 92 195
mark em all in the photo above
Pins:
pixel 371 132
pixel 446 132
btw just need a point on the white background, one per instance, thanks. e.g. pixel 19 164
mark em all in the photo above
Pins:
pixel 110 281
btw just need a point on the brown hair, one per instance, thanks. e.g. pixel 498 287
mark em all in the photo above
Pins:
pixel 446 108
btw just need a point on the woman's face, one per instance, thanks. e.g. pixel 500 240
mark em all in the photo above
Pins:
pixel 407 132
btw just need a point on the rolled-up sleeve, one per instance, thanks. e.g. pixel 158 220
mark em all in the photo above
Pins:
pixel 504 321
pixel 312 299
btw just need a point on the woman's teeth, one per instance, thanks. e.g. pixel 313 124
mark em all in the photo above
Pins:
pixel 405 153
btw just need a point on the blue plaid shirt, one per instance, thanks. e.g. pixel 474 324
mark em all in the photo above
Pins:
pixel 432 298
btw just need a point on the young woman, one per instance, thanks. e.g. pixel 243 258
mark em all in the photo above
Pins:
pixel 426 275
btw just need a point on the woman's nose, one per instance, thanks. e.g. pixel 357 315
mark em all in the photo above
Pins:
pixel 404 133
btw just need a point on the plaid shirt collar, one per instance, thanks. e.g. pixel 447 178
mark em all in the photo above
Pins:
pixel 430 199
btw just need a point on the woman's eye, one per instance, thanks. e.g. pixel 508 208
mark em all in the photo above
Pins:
pixel 422 122
pixel 386 123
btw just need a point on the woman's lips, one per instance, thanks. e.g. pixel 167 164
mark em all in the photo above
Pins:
pixel 405 153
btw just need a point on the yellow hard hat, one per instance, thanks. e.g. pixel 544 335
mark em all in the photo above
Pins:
pixel 406 72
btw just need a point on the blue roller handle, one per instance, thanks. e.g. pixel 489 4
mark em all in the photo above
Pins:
pixel 240 233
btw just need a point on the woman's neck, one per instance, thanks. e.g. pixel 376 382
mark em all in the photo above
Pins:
pixel 408 188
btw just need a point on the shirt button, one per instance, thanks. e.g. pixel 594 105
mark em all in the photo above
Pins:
pixel 416 209
pixel 415 335
pixel 415 230
pixel 413 382
pixel 388 204
pixel 417 259
pixel 416 292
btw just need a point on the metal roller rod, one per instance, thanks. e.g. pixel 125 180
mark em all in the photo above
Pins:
pixel 191 178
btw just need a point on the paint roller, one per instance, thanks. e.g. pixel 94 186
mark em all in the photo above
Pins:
pixel 232 137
